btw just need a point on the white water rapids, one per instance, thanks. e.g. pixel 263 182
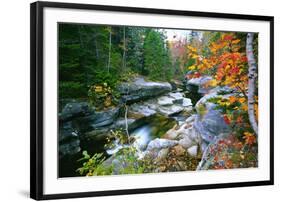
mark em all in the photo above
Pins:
pixel 142 137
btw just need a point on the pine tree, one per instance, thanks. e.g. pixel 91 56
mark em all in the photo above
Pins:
pixel 155 55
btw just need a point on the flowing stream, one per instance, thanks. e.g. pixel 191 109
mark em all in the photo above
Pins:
pixel 142 137
pixel 155 127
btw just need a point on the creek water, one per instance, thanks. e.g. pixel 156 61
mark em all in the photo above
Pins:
pixel 155 127
pixel 141 136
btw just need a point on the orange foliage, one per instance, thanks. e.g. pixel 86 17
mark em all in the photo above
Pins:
pixel 229 63
pixel 249 138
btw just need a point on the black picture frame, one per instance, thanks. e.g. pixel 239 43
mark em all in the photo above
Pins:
pixel 37 99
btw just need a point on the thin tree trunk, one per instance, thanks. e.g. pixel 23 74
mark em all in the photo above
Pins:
pixel 126 123
pixel 96 45
pixel 83 58
pixel 109 51
pixel 252 80
pixel 124 49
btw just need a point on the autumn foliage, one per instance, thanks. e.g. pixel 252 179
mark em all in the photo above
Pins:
pixel 224 59
pixel 226 63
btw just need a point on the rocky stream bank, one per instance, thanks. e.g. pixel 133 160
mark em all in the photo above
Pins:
pixel 171 123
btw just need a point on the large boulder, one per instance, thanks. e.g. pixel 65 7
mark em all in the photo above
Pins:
pixel 209 121
pixel 201 84
pixel 140 110
pixel 186 102
pixel 139 89
pixel 69 140
pixel 97 120
pixel 186 134
pixel 69 148
pixel 170 110
pixel 192 151
pixel 165 101
pixel 171 98
pixel 80 127
pixel 75 109
pixel 160 144
pixel 119 163
pixel 104 132
pixel 177 97
pixel 69 143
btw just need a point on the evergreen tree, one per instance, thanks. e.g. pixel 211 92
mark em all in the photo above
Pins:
pixel 134 54
pixel 92 54
pixel 155 56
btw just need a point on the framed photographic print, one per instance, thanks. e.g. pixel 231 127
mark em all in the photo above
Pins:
pixel 131 100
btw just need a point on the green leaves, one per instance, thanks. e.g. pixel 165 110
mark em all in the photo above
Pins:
pixel 90 164
pixel 86 155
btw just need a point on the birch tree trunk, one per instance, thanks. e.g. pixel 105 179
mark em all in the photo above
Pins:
pixel 252 75
pixel 109 51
